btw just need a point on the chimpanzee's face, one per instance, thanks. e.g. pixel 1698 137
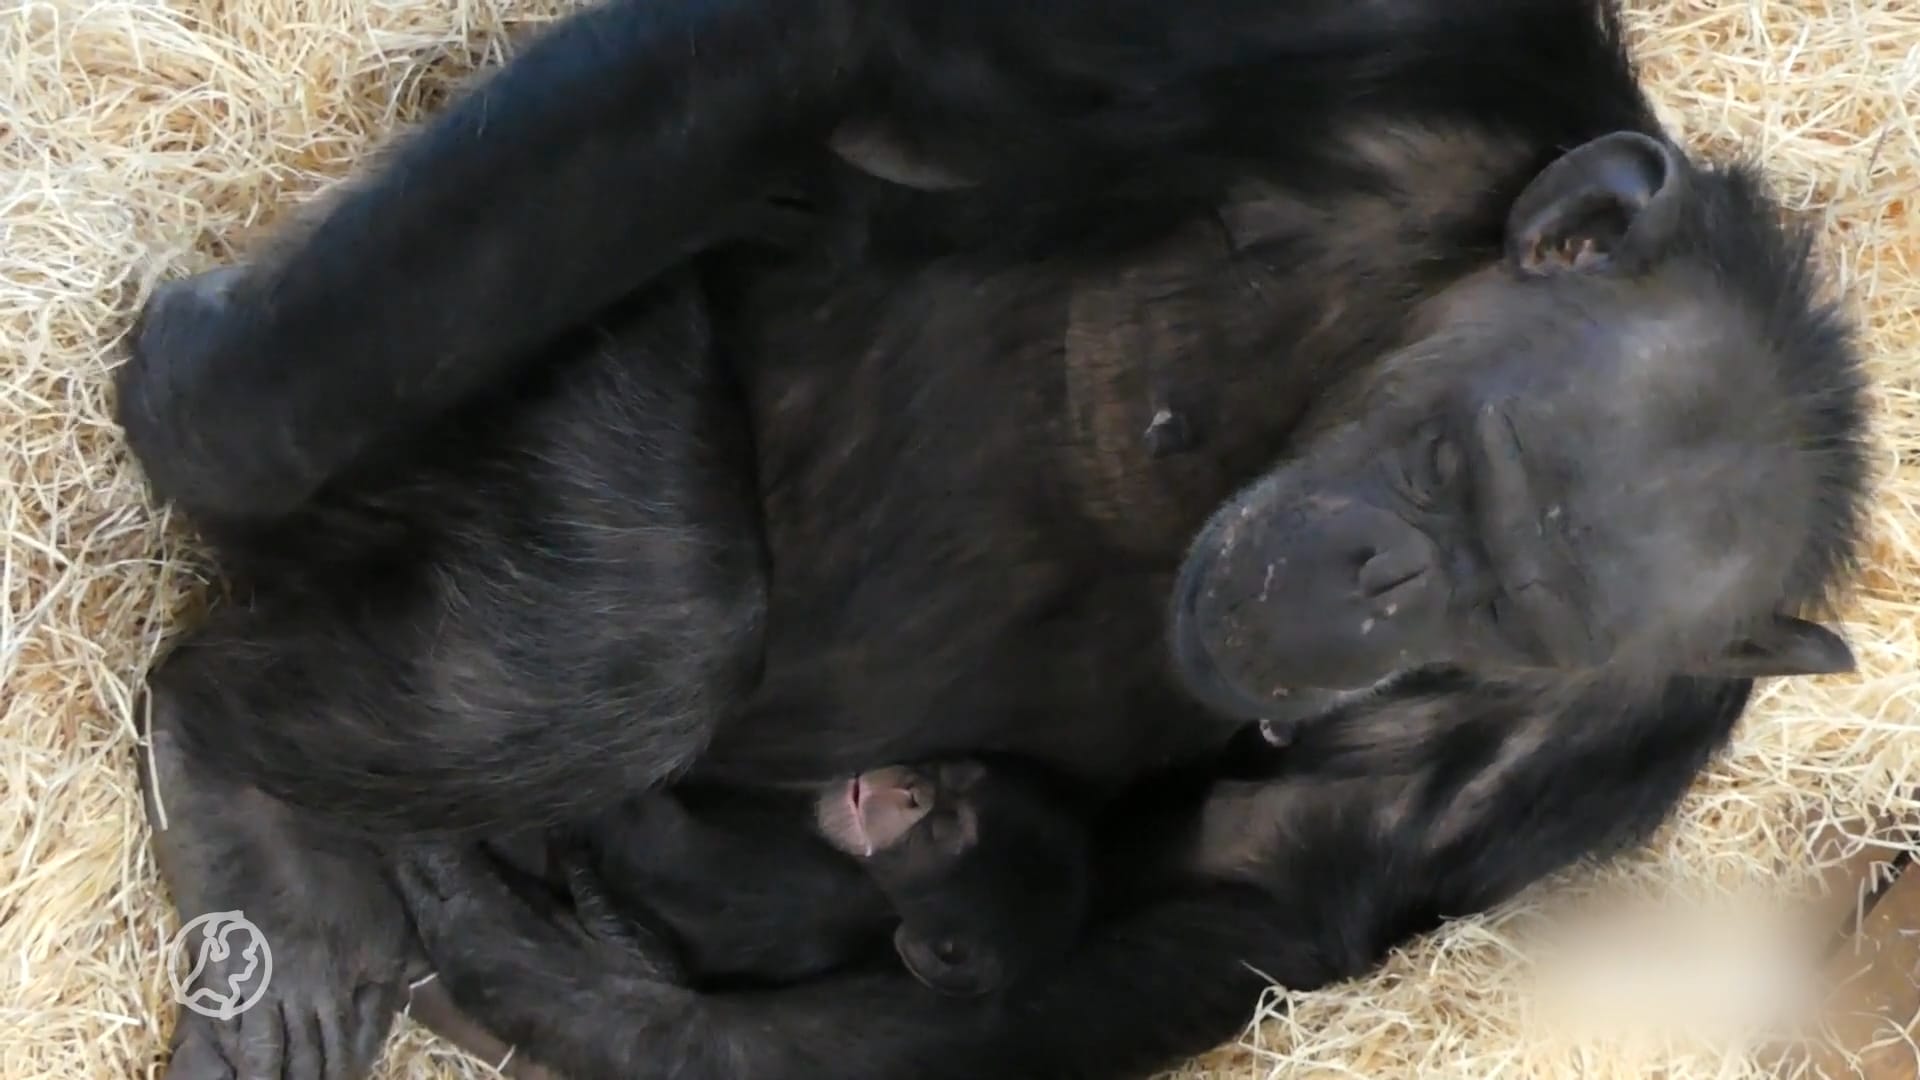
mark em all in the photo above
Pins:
pixel 1584 457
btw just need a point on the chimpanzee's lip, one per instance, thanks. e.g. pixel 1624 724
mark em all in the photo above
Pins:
pixel 856 794
pixel 1194 664
pixel 1201 677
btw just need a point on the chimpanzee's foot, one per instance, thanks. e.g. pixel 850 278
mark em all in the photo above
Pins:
pixel 307 986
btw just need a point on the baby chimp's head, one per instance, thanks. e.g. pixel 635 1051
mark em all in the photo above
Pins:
pixel 985 864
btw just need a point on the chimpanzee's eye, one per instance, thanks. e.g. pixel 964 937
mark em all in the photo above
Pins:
pixel 1428 467
pixel 1497 611
pixel 944 830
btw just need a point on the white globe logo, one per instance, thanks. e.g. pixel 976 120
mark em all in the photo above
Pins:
pixel 227 935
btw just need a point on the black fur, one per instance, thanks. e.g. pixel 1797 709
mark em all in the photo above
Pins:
pixel 878 484
pixel 751 894
pixel 1344 857
pixel 947 453
pixel 742 882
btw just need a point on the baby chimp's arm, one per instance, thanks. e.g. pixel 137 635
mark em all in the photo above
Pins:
pixel 1168 982
pixel 745 889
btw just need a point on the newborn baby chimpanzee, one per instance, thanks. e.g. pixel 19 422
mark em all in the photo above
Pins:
pixel 978 867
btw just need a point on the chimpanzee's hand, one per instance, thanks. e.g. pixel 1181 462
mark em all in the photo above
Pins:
pixel 499 944
pixel 570 861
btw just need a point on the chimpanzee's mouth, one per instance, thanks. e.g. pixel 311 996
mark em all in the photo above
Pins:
pixel 1278 708
pixel 1194 664
pixel 856 798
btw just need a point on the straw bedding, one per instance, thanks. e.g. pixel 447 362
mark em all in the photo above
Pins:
pixel 141 139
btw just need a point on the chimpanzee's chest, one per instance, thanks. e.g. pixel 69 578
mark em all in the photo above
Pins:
pixel 976 490
pixel 1108 407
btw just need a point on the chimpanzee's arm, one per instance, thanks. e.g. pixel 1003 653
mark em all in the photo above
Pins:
pixel 1167 982
pixel 601 155
pixel 615 145
pixel 1320 899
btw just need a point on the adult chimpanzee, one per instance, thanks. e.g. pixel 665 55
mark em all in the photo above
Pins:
pixel 1051 431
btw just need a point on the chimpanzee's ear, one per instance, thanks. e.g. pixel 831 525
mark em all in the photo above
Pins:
pixel 1612 202
pixel 1785 646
